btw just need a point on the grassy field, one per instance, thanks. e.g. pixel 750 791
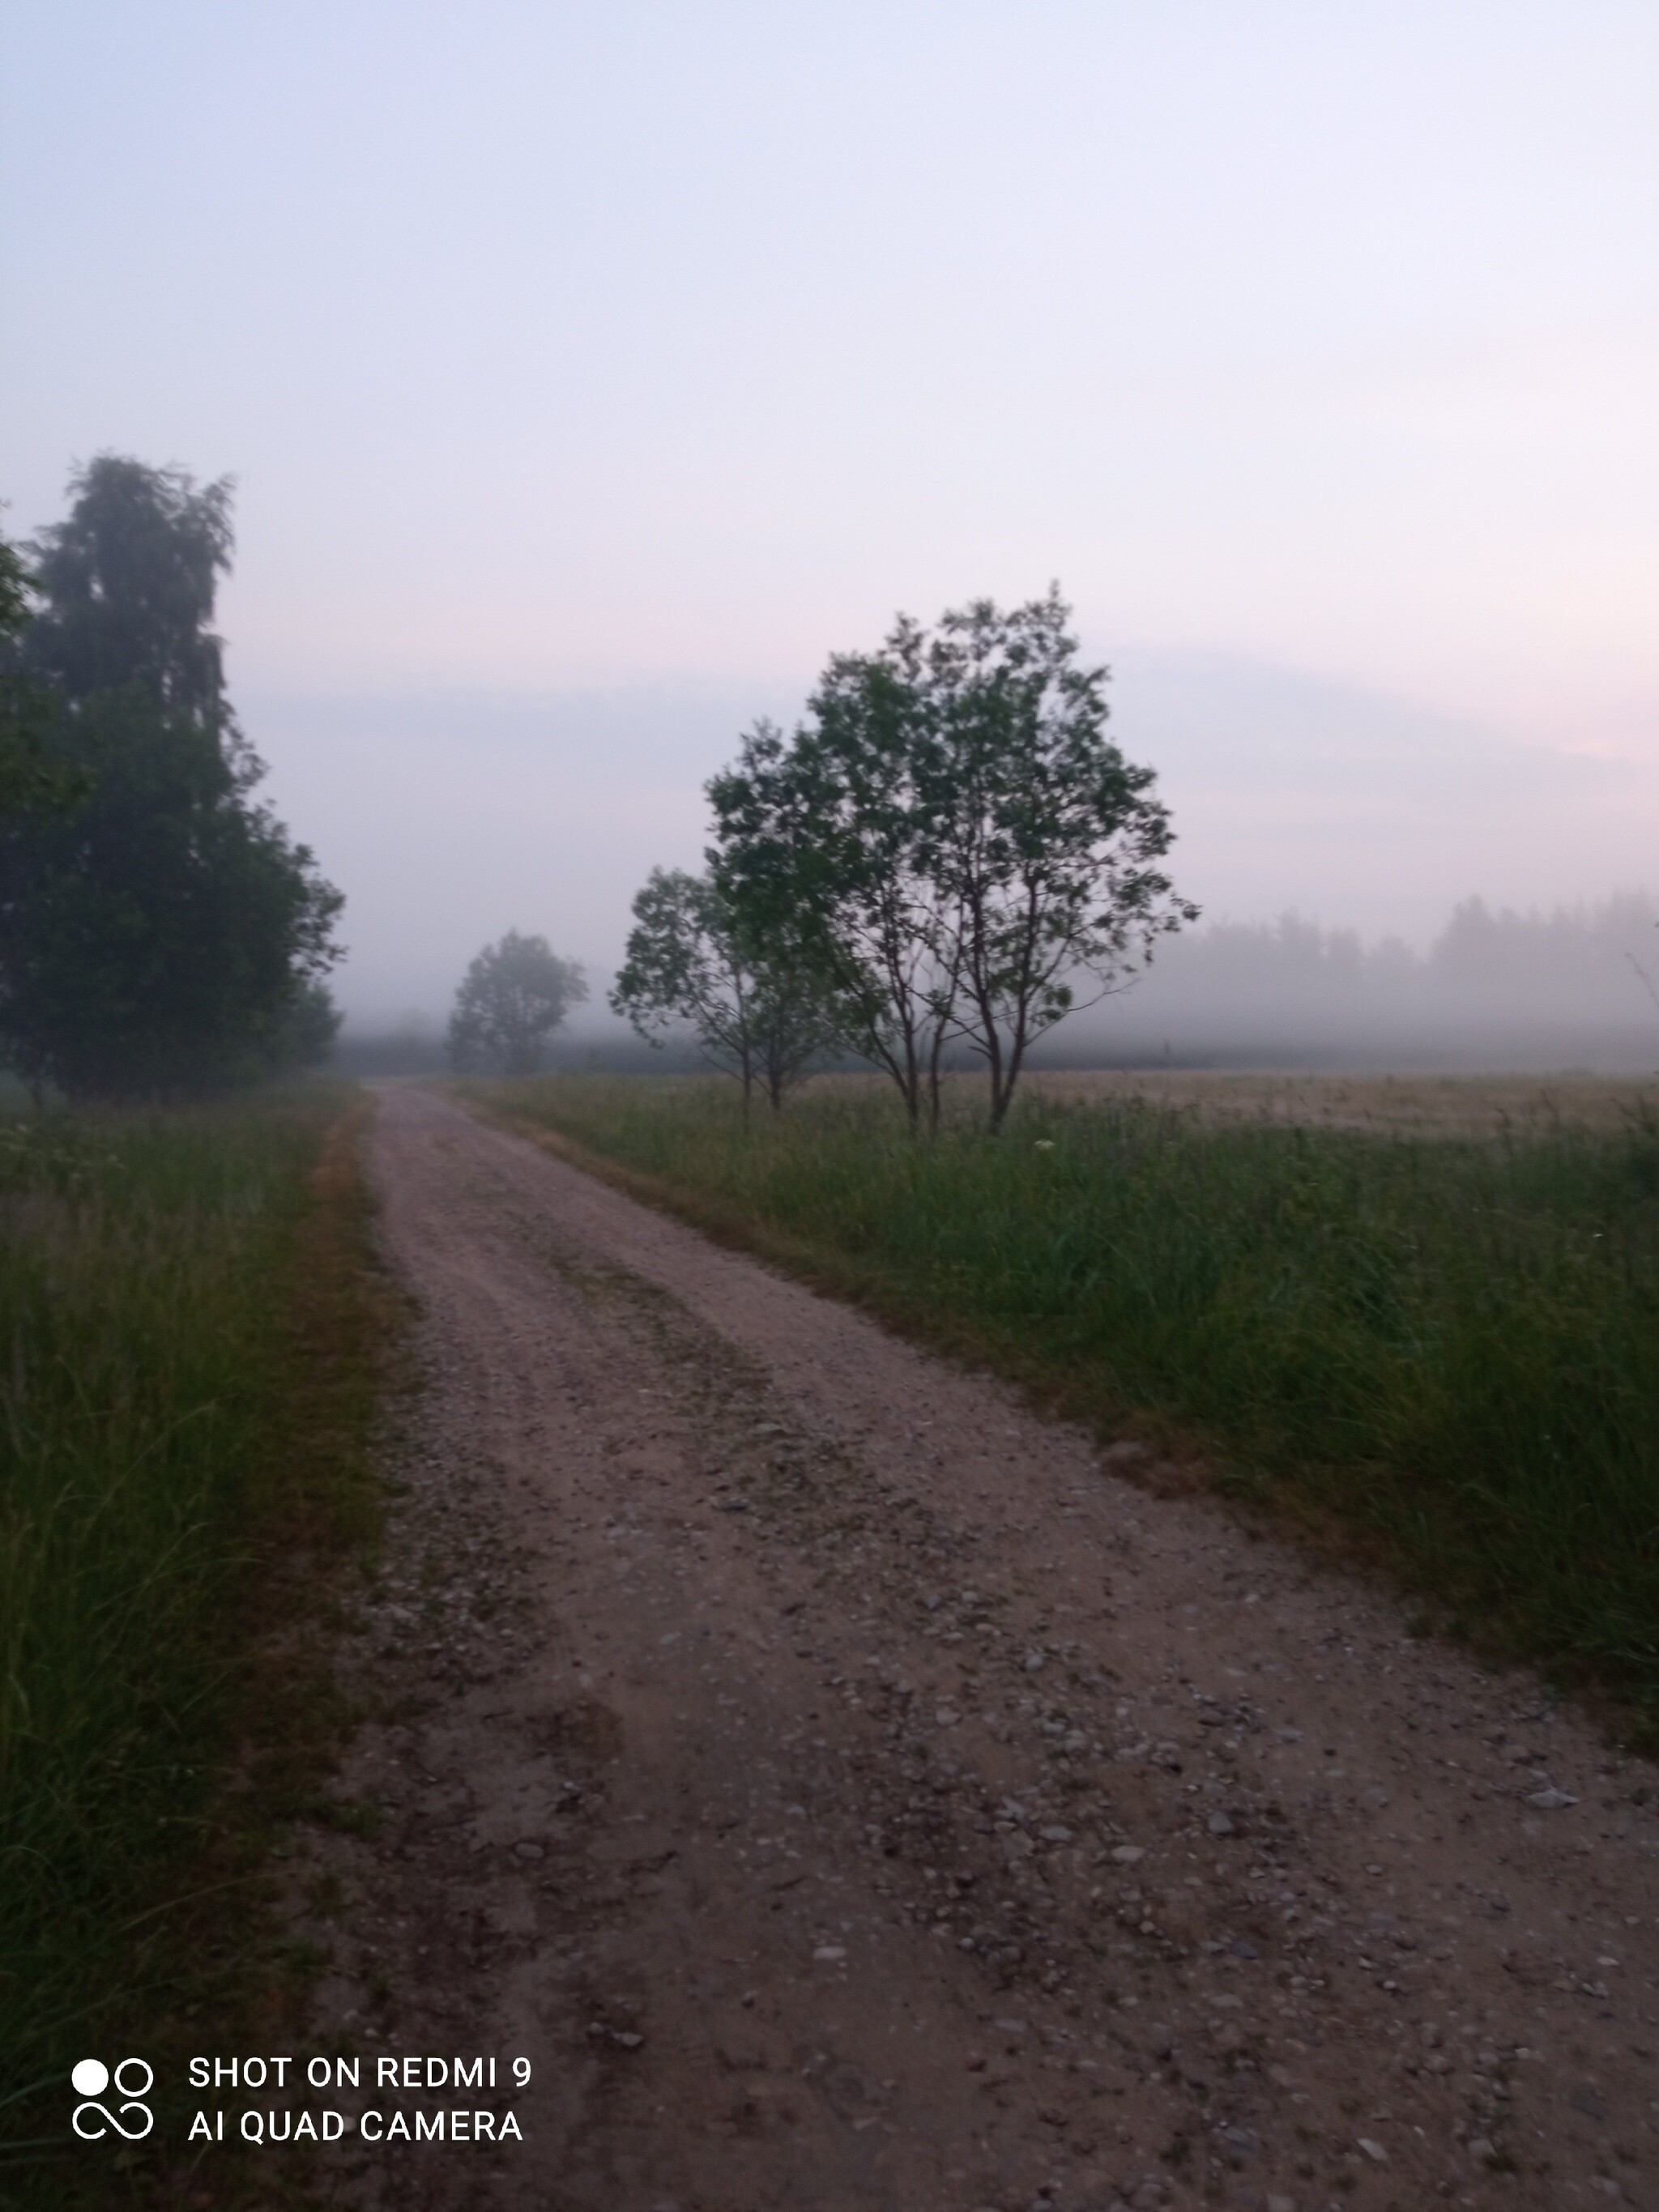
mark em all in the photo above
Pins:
pixel 1434 1339
pixel 189 1334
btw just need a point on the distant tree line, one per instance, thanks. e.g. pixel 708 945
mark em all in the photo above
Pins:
pixel 159 931
pixel 1554 983
pixel 948 850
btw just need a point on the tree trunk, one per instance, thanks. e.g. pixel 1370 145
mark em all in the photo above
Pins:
pixel 993 1063
pixel 1009 1070
pixel 933 1099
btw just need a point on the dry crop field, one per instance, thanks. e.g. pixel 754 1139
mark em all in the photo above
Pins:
pixel 1403 1105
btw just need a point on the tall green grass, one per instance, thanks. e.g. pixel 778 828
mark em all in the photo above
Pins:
pixel 148 1363
pixel 1449 1343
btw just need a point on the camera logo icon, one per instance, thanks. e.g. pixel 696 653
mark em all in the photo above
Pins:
pixel 132 2118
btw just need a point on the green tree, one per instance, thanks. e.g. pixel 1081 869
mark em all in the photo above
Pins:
pixel 823 839
pixel 163 932
pixel 309 1026
pixel 954 842
pixel 29 779
pixel 128 580
pixel 689 962
pixel 1043 841
pixel 511 999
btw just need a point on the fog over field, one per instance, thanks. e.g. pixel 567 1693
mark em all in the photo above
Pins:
pixel 1382 883
pixel 1494 990
pixel 1576 988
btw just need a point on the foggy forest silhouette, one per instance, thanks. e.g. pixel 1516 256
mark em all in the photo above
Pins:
pixel 1571 987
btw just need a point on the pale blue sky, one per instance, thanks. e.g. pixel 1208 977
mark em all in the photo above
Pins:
pixel 590 374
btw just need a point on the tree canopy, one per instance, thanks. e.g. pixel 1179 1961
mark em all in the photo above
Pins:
pixel 29 779
pixel 160 931
pixel 1044 841
pixel 128 580
pixel 513 997
pixel 953 842
pixel 755 1012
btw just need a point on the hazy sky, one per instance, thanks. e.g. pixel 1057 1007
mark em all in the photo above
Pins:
pixel 590 374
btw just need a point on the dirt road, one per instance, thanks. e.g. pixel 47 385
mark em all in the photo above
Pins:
pixel 847 1792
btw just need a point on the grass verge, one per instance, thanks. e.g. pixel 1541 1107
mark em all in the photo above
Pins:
pixel 195 1339
pixel 1442 1351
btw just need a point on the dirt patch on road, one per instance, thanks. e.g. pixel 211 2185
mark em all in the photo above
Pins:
pixel 845 1790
